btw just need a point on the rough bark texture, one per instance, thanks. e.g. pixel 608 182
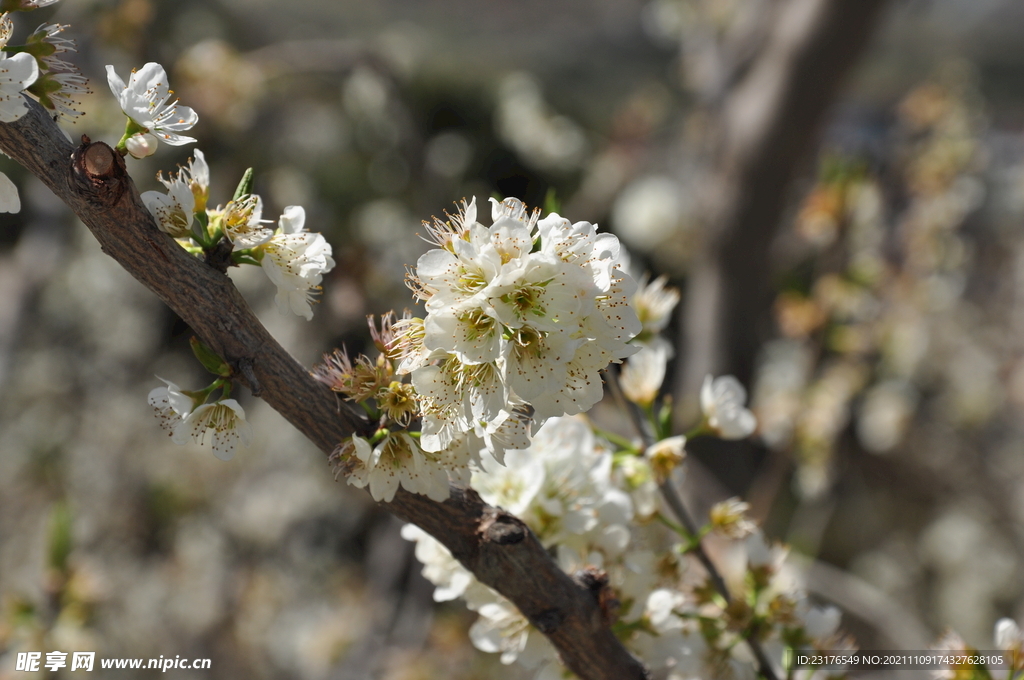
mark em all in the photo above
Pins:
pixel 768 122
pixel 497 547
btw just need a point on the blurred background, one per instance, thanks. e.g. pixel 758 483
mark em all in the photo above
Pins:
pixel 837 187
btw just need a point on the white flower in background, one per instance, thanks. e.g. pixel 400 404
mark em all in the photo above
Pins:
pixel 146 100
pixel 654 302
pixel 396 460
pixel 660 610
pixel 721 401
pixel 665 455
pixel 227 421
pixel 449 577
pixel 644 372
pixel 296 260
pixel 511 325
pixel 173 211
pixel 729 518
pixel 17 72
pixel 502 628
pixel 821 622
pixel 9 200
pixel 1008 637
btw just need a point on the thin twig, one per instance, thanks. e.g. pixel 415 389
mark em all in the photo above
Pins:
pixel 671 495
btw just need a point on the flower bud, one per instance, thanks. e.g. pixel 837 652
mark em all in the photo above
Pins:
pixel 141 145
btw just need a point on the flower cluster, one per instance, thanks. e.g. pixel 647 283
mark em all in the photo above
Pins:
pixel 294 259
pixel 525 311
pixel 17 72
pixel 565 487
pixel 393 456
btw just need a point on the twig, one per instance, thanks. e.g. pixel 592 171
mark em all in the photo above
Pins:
pixel 675 502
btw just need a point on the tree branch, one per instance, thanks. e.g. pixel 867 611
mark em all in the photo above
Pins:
pixel 497 547
pixel 767 125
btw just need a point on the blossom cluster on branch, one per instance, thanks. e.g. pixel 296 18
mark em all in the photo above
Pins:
pixel 490 389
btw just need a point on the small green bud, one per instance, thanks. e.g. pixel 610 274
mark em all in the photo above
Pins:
pixel 244 186
pixel 209 359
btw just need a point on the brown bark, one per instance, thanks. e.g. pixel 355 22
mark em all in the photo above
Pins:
pixel 768 123
pixel 497 547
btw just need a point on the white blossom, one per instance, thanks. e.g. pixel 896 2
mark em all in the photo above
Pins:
pixel 243 223
pixel 449 577
pixel 396 460
pixel 17 72
pixel 644 372
pixel 186 421
pixel 146 100
pixel 296 260
pixel 174 211
pixel 9 200
pixel 170 404
pixel 721 401
pixel 227 421
pixel 654 302
pixel 1008 636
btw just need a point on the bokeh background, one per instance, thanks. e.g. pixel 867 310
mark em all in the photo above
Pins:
pixel 873 302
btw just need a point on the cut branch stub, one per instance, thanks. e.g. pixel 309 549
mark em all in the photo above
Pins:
pixel 98 173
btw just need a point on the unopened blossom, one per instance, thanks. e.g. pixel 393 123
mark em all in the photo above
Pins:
pixel 146 100
pixel 729 519
pixel 9 200
pixel 721 401
pixel 296 260
pixel 141 145
pixel 225 419
pixel 17 72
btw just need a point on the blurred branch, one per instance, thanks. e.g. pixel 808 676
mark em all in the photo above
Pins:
pixel 768 121
pixel 897 623
pixel 497 547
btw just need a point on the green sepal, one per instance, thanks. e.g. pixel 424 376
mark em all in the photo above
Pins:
pixel 209 359
pixel 244 185
pixel 665 418
pixel 199 229
pixel 552 204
